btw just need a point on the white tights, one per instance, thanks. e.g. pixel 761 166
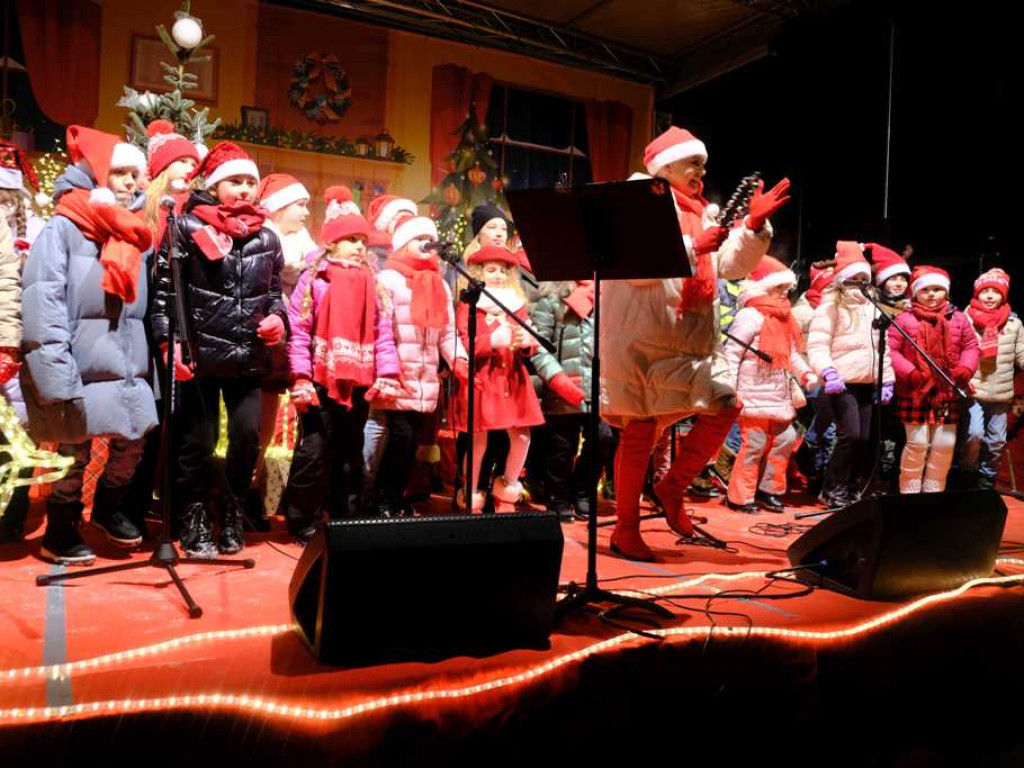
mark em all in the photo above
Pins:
pixel 519 437
pixel 926 457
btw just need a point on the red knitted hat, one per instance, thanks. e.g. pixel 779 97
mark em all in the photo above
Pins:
pixel 225 160
pixel 886 263
pixel 674 144
pixel 928 277
pixel 279 190
pixel 996 279
pixel 165 146
pixel 821 278
pixel 850 261
pixel 494 253
pixel 343 217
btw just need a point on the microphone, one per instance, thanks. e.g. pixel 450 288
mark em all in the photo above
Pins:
pixel 437 245
pixel 167 202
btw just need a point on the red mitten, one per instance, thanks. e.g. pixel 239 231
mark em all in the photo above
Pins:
pixel 304 395
pixel 271 330
pixel 182 372
pixel 915 380
pixel 10 364
pixel 710 240
pixel 961 375
pixel 564 387
pixel 763 205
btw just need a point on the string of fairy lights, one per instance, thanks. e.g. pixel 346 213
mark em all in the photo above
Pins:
pixel 271 707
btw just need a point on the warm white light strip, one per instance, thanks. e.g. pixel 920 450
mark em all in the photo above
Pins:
pixel 256 704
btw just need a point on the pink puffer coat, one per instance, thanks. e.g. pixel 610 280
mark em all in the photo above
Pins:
pixel 766 393
pixel 300 343
pixel 419 349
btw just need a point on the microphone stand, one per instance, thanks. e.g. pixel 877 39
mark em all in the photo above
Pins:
pixel 470 295
pixel 165 555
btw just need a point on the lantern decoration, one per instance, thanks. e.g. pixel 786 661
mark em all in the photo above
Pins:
pixel 498 185
pixel 477 175
pixel 384 144
pixel 362 146
pixel 452 195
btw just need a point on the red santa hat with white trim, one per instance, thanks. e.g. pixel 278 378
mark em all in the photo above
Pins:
pixel 410 229
pixel 225 160
pixel 850 261
pixel 674 144
pixel 886 263
pixel 996 279
pixel 343 218
pixel 279 190
pixel 769 273
pixel 928 277
pixel 385 211
pixel 97 153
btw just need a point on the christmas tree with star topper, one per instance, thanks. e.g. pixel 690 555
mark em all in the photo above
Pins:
pixel 183 41
pixel 473 178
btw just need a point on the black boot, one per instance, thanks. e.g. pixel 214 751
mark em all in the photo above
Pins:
pixel 196 534
pixel 770 502
pixel 12 522
pixel 108 515
pixel 62 542
pixel 255 519
pixel 231 541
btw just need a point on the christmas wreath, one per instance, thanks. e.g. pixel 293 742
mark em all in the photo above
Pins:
pixel 332 103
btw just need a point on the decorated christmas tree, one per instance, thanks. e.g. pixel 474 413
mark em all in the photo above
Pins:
pixel 183 41
pixel 473 178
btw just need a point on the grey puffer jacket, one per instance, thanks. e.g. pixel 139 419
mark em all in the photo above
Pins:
pixel 226 299
pixel 87 362
pixel 573 338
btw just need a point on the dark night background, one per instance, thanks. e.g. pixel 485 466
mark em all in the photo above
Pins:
pixel 816 111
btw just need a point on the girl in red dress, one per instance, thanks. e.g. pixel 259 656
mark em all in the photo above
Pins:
pixel 505 398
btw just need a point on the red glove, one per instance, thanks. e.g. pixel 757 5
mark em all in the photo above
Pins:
pixel 462 369
pixel 10 364
pixel 710 240
pixel 271 330
pixel 304 395
pixel 961 375
pixel 566 389
pixel 917 378
pixel 182 372
pixel 763 206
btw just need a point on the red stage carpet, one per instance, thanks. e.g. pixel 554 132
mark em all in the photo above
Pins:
pixel 112 668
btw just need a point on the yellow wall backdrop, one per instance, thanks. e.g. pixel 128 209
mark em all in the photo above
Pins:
pixel 411 62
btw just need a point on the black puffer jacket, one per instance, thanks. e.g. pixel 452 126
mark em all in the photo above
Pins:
pixel 226 300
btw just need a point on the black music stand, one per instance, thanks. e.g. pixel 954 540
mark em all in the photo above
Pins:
pixel 616 231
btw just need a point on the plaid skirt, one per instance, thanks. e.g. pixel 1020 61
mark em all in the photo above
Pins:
pixel 914 411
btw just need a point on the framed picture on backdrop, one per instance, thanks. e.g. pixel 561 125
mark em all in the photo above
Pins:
pixel 146 74
pixel 256 118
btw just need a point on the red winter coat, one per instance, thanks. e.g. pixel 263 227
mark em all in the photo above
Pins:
pixel 505 396
pixel 915 405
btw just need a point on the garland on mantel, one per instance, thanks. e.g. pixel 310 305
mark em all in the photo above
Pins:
pixel 307 141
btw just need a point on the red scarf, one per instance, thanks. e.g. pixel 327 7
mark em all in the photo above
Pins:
pixel 934 335
pixel 780 332
pixel 225 223
pixel 813 297
pixel 121 236
pixel 429 299
pixel 581 300
pixel 344 335
pixel 699 291
pixel 989 323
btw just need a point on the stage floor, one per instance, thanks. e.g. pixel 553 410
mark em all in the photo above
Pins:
pixel 112 666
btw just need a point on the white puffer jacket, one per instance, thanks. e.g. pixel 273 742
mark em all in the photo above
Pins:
pixel 766 393
pixel 844 339
pixel 419 349
pixel 993 381
pixel 654 364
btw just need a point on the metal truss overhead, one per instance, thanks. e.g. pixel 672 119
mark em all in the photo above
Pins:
pixel 479 24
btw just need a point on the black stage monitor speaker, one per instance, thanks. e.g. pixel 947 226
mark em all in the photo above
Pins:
pixel 894 546
pixel 427 588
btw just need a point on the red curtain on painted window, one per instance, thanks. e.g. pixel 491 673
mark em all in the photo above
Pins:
pixel 609 130
pixel 62 54
pixel 454 89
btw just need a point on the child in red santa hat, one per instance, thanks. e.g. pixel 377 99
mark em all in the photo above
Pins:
pixel 842 345
pixel 341 351
pixel 1000 335
pixel 172 160
pixel 505 399
pixel 821 275
pixel 660 342
pixel 891 275
pixel 232 287
pixel 424 331
pixel 925 403
pixel 765 322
